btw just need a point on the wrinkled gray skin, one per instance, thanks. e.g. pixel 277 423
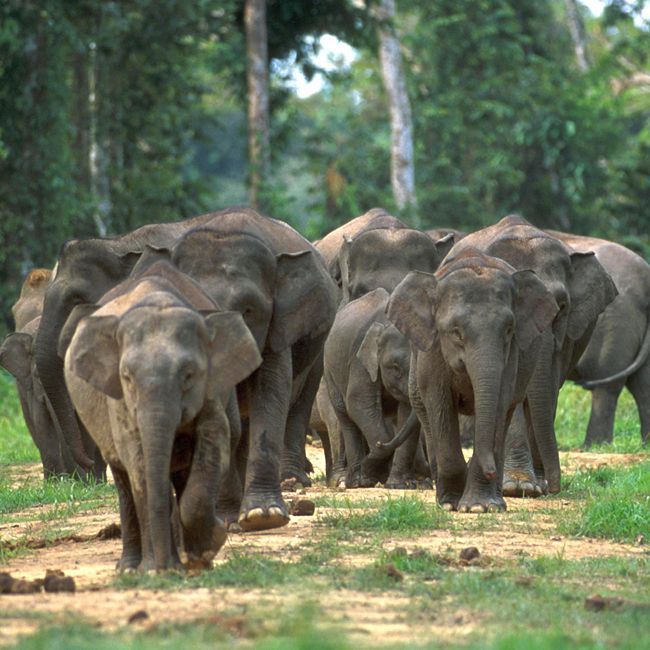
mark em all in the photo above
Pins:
pixel 366 372
pixel 619 347
pixel 582 289
pixel 269 273
pixel 16 356
pixel 372 251
pixel 476 330
pixel 152 375
pixel 86 270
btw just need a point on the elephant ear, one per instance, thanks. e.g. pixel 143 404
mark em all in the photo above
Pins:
pixel 149 256
pixel 16 355
pixel 591 290
pixel 444 245
pixel 535 308
pixel 368 352
pixel 411 307
pixel 93 354
pixel 305 300
pixel 234 354
pixel 70 326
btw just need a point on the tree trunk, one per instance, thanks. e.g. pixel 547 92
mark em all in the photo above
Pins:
pixel 401 124
pixel 258 96
pixel 577 30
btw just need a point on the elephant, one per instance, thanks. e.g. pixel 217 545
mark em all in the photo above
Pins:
pixel 265 270
pixel 582 289
pixel 16 356
pixel 366 373
pixel 617 354
pixel 86 269
pixel 476 331
pixel 152 374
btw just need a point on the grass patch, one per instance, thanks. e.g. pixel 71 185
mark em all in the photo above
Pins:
pixel 16 445
pixel 401 515
pixel 66 494
pixel 617 503
pixel 574 407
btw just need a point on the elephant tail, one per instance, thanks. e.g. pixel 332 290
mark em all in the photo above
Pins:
pixel 408 429
pixel 640 359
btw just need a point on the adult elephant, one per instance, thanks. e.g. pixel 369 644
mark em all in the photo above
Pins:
pixel 618 353
pixel 16 356
pixel 476 329
pixel 85 271
pixel 268 272
pixel 582 289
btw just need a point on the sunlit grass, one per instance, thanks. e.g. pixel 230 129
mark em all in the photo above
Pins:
pixel 16 445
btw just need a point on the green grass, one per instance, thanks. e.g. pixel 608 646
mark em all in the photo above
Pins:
pixel 66 494
pixel 16 445
pixel 397 515
pixel 574 407
pixel 617 503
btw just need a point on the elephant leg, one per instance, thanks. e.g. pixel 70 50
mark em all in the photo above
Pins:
pixel 466 425
pixel 402 470
pixel 482 494
pixel 231 490
pixel 203 532
pixel 293 454
pixel 519 476
pixel 131 544
pixel 353 441
pixel 603 410
pixel 639 386
pixel 268 391
pixel 337 470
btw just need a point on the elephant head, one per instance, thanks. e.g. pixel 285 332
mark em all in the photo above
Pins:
pixel 386 354
pixel 480 313
pixel 383 256
pixel 276 294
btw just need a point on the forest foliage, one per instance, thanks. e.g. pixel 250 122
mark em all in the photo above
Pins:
pixel 124 112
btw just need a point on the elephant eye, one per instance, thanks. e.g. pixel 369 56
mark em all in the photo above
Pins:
pixel 456 334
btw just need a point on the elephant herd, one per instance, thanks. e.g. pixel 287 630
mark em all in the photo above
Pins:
pixel 193 357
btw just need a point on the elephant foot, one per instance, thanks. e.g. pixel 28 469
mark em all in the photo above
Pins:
pixel 128 563
pixel 148 565
pixel 481 497
pixel 373 471
pixel 262 512
pixel 337 479
pixel 518 483
pixel 201 547
pixel 299 475
pixel 449 491
pixel 397 481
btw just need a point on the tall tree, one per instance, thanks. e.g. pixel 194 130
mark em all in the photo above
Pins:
pixel 401 151
pixel 577 31
pixel 258 97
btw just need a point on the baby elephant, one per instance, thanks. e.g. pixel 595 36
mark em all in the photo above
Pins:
pixel 366 371
pixel 152 375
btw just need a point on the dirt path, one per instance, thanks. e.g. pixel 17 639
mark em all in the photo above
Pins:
pixel 527 529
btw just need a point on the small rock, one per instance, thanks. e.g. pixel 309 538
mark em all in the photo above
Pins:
pixel 289 484
pixel 470 553
pixel 25 587
pixel 302 508
pixel 393 572
pixel 56 581
pixel 112 531
pixel 556 538
pixel 598 603
pixel 140 615
pixel 6 582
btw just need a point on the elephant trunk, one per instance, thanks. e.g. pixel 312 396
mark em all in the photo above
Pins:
pixel 50 370
pixel 485 375
pixel 410 426
pixel 157 430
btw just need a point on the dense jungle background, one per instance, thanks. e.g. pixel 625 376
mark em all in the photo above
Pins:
pixel 116 114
